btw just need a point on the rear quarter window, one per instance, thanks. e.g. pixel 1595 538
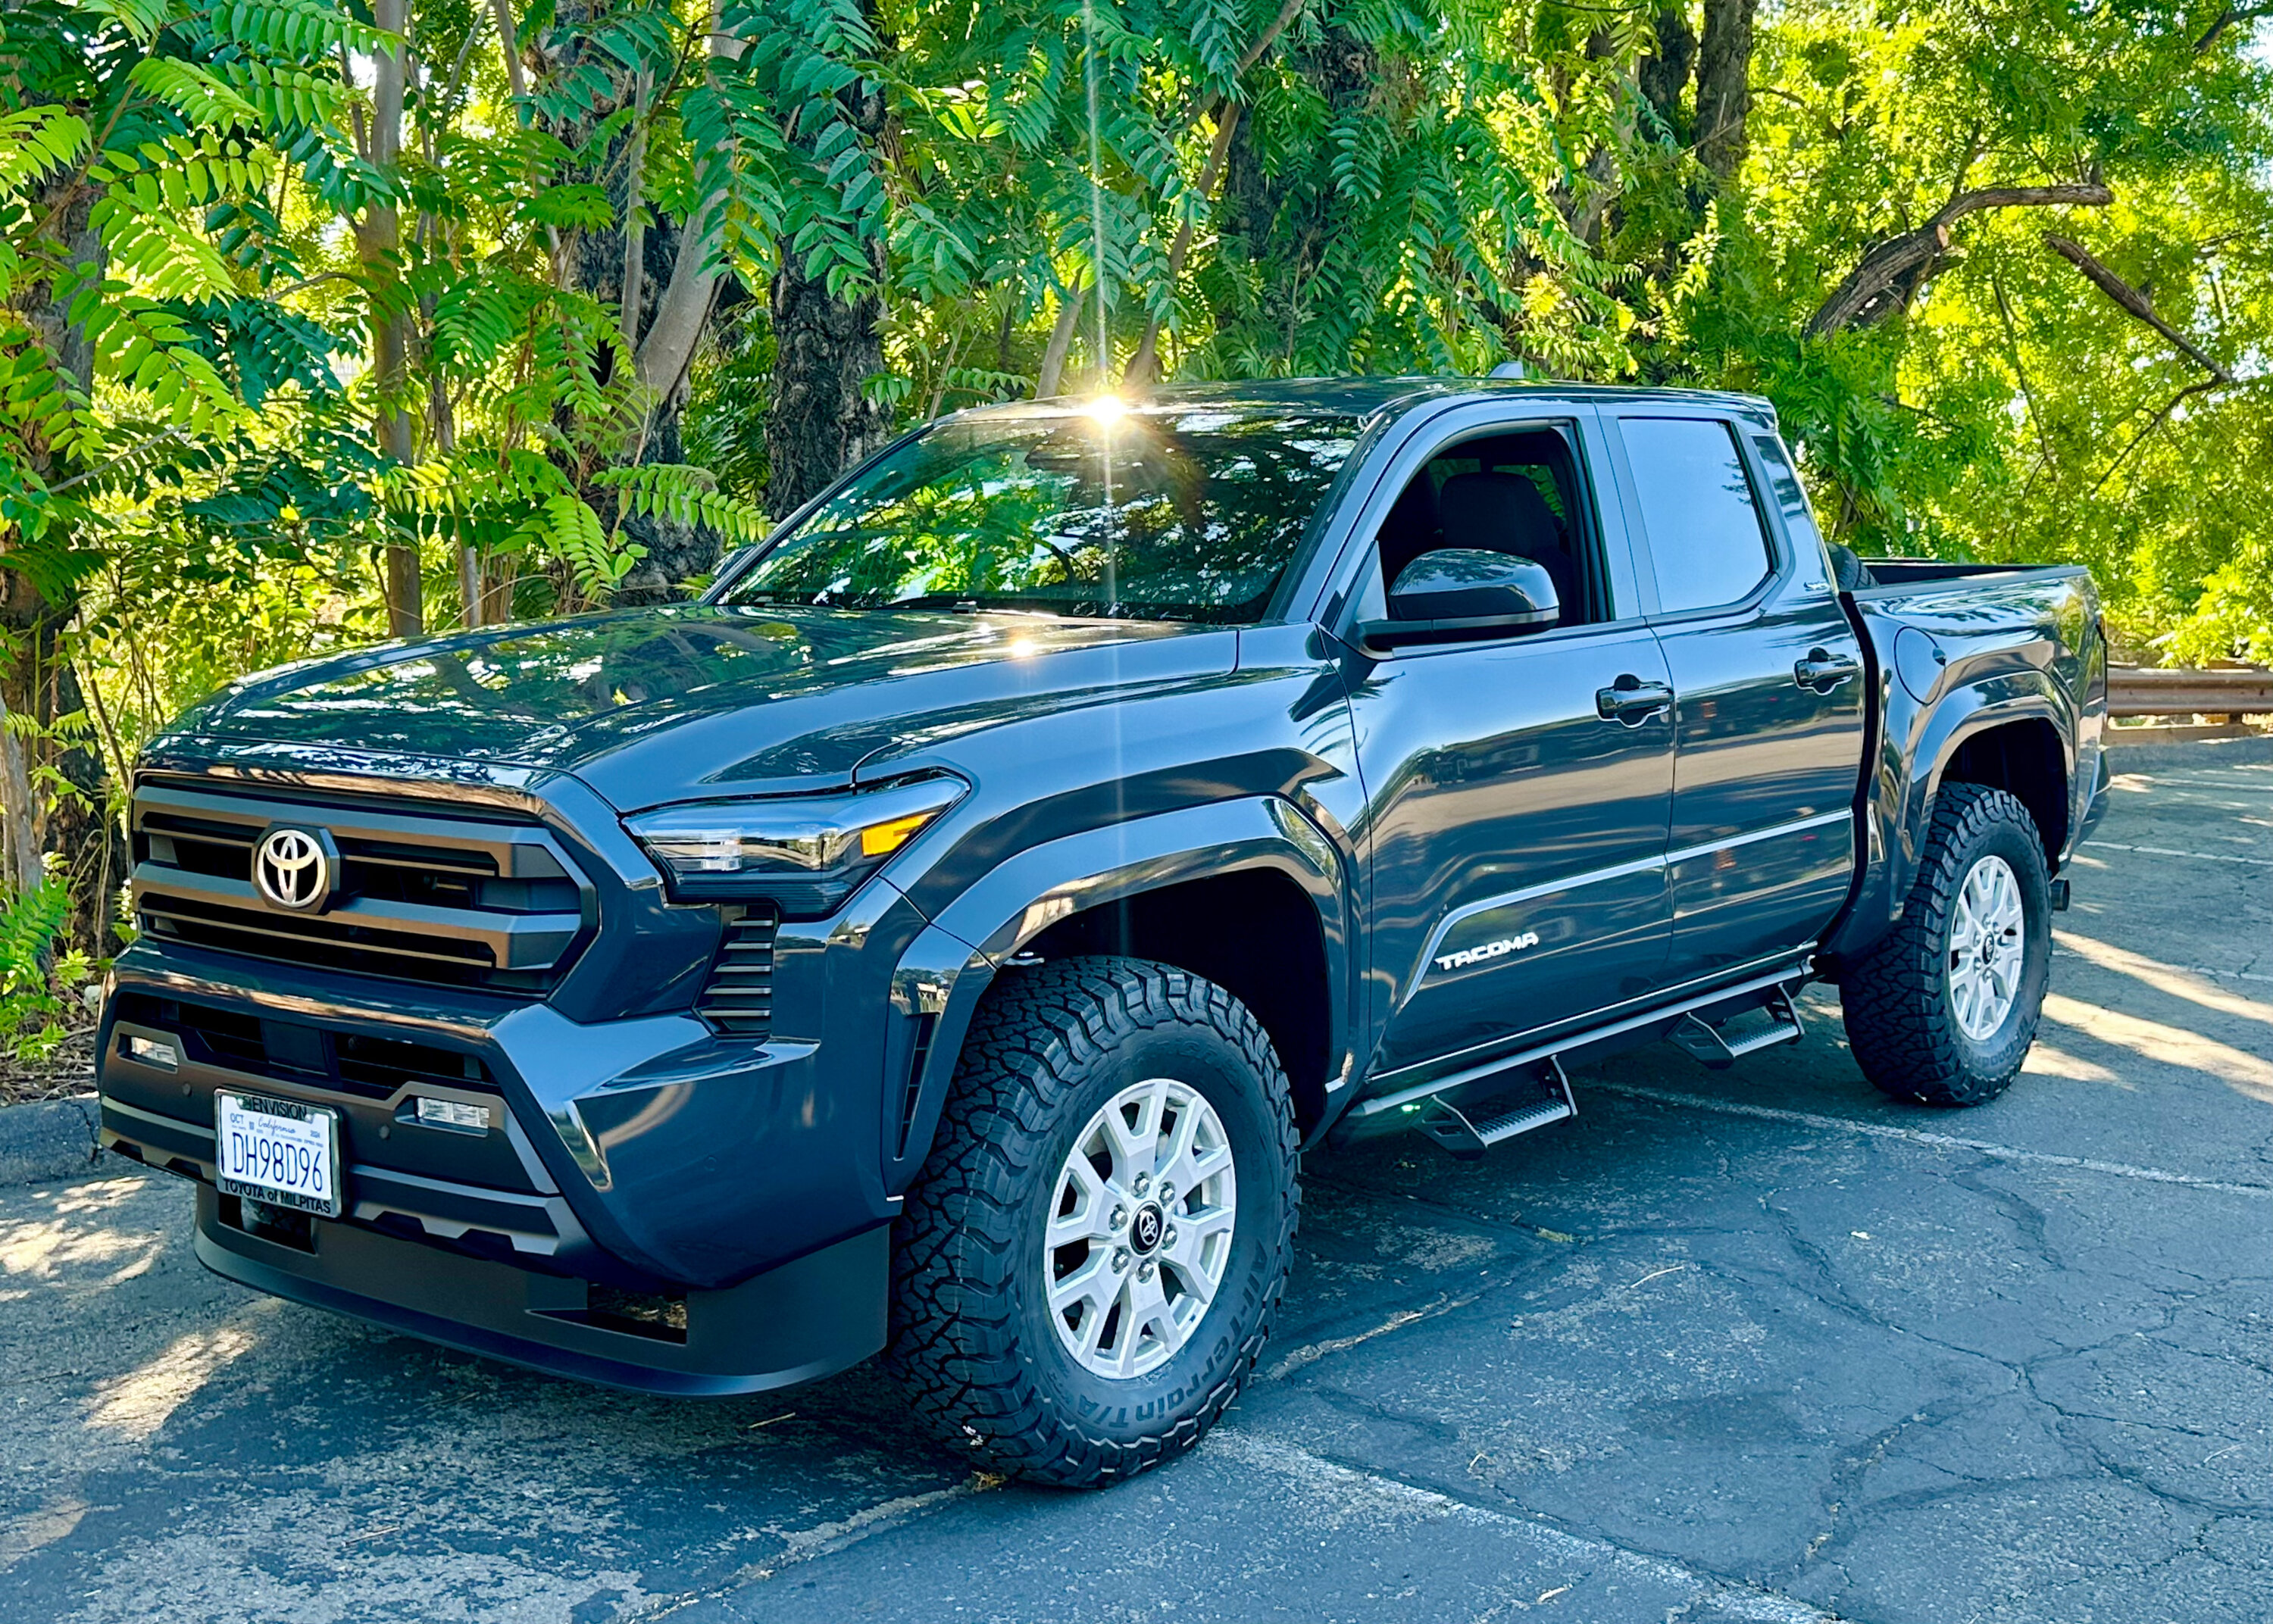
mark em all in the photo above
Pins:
pixel 1707 546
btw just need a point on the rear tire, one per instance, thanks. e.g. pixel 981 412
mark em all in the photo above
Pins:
pixel 1053 1312
pixel 1944 1008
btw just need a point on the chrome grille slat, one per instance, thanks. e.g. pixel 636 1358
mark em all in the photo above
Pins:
pixel 239 924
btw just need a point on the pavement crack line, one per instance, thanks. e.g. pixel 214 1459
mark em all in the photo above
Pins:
pixel 800 1545
pixel 1937 1141
pixel 1397 1321
pixel 2173 851
pixel 1729 1597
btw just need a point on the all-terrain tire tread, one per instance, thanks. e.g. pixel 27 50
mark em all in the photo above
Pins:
pixel 953 1343
pixel 1892 998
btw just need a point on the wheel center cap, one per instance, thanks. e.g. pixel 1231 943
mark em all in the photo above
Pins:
pixel 1145 1229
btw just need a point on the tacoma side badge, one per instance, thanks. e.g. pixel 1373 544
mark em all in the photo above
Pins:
pixel 1490 950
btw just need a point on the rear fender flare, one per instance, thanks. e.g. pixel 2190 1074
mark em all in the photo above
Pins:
pixel 1901 811
pixel 938 982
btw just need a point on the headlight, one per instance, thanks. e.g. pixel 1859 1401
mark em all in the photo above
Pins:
pixel 807 852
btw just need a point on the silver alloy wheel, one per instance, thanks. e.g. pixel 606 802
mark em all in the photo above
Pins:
pixel 1140 1228
pixel 1986 947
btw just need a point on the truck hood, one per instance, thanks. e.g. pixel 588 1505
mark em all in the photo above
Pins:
pixel 650 706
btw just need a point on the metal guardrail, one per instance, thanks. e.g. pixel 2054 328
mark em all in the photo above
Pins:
pixel 2133 691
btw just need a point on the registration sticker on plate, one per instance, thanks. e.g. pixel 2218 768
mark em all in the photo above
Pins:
pixel 278 1151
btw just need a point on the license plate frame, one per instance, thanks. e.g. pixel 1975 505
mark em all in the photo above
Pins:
pixel 309 1147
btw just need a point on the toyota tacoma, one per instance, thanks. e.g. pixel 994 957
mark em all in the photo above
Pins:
pixel 942 939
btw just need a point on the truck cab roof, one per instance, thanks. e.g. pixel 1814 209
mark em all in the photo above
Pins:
pixel 1385 396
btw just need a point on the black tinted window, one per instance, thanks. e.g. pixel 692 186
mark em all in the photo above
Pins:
pixel 1705 540
pixel 1178 514
pixel 1554 530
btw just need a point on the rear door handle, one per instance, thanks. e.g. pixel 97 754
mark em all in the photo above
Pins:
pixel 1632 701
pixel 1822 670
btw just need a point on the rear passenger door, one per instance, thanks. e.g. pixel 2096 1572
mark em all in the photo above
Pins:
pixel 1767 675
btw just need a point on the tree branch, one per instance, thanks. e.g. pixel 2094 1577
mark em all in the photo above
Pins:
pixel 516 79
pixel 1144 364
pixel 2227 18
pixel 1891 272
pixel 2200 386
pixel 1252 54
pixel 2133 301
pixel 666 350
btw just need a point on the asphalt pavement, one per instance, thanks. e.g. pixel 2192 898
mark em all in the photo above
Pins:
pixel 1751 1345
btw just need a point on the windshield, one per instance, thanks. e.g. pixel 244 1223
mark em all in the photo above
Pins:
pixel 1172 515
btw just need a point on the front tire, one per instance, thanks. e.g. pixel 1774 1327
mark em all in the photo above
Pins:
pixel 1055 1310
pixel 1944 1009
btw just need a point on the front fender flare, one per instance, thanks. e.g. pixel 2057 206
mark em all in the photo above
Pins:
pixel 939 981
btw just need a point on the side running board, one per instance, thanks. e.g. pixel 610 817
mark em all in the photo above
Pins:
pixel 1721 1045
pixel 1408 1102
pixel 1548 1099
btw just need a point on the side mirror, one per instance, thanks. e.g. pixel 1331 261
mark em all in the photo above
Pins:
pixel 1458 593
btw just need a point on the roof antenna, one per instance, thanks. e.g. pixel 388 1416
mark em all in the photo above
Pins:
pixel 1509 369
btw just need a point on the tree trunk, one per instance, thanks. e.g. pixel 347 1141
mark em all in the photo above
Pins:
pixel 821 421
pixel 1724 87
pixel 379 239
pixel 1665 71
pixel 1061 344
pixel 1282 223
pixel 666 301
pixel 37 681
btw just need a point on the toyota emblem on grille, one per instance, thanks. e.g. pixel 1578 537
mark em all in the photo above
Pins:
pixel 293 870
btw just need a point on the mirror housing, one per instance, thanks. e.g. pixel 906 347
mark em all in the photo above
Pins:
pixel 1465 593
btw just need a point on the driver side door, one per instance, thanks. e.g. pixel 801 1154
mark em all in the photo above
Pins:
pixel 1516 819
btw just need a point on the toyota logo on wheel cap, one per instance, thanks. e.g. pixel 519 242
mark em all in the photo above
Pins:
pixel 293 868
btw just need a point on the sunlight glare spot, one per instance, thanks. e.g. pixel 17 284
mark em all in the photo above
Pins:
pixel 138 1405
pixel 58 1519
pixel 2168 1046
pixel 41 1250
pixel 2164 978
pixel 2046 1062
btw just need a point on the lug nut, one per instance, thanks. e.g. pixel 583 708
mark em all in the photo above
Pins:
pixel 1119 1216
pixel 1167 1195
pixel 1168 1240
pixel 1119 1258
pixel 1144 1271
pixel 1143 1183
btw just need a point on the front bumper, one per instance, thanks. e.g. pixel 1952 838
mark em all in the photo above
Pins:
pixel 802 1320
pixel 649 1153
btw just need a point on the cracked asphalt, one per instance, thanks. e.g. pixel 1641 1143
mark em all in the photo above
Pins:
pixel 1751 1345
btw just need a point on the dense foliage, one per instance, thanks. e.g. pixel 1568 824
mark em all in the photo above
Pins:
pixel 319 322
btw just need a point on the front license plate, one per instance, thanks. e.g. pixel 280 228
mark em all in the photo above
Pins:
pixel 278 1151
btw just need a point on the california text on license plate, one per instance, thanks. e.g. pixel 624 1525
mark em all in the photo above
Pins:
pixel 278 1151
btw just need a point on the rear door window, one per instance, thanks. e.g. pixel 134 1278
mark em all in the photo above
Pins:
pixel 1706 543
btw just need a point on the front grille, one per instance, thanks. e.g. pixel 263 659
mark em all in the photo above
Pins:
pixel 482 900
pixel 738 999
pixel 373 1068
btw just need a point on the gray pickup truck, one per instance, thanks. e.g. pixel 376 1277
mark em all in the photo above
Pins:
pixel 943 939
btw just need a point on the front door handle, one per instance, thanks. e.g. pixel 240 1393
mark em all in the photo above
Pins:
pixel 1632 701
pixel 1822 670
